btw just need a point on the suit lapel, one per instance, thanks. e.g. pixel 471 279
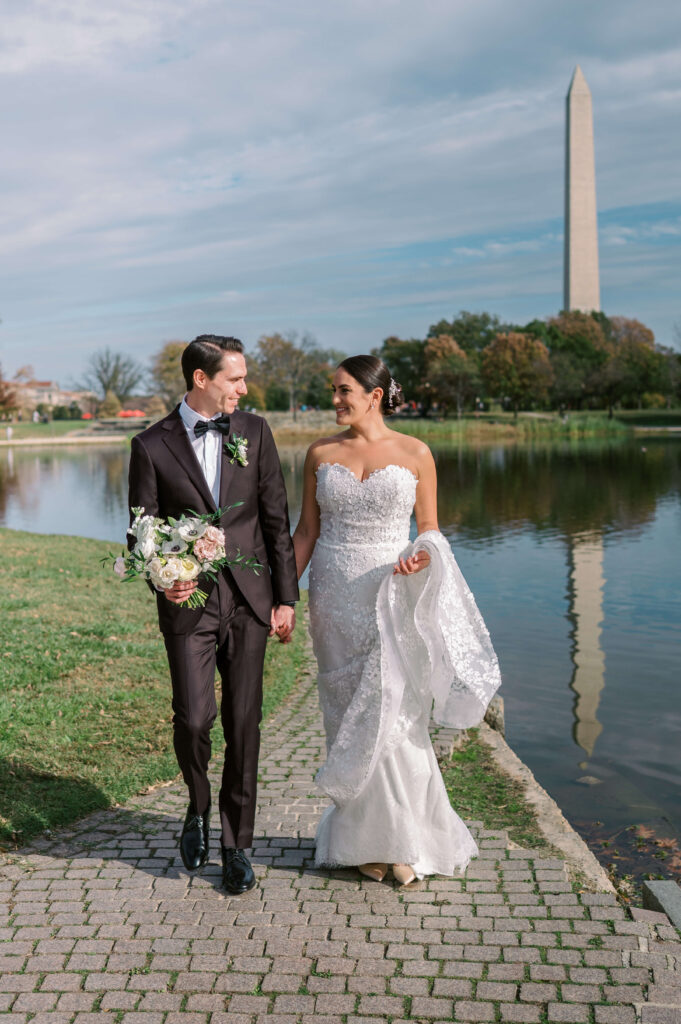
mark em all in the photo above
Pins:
pixel 177 441
pixel 227 469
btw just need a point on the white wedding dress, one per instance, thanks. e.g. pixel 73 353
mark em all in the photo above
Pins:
pixel 390 650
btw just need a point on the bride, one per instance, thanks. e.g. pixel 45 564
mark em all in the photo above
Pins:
pixel 396 635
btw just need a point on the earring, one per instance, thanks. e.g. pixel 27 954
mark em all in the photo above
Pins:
pixel 373 405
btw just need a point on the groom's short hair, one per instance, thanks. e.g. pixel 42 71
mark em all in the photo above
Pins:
pixel 205 353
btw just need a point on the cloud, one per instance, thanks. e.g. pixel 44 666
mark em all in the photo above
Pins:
pixel 166 164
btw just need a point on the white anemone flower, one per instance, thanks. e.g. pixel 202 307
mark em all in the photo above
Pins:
pixel 191 529
pixel 174 546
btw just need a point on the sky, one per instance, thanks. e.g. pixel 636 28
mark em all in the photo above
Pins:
pixel 353 170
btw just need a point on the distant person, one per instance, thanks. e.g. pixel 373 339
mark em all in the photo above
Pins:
pixel 394 628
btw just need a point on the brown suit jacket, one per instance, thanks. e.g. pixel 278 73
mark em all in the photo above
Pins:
pixel 167 480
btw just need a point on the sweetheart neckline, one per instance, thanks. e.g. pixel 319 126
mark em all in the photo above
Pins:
pixel 381 469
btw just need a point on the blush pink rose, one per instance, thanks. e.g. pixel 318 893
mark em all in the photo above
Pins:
pixel 215 535
pixel 205 549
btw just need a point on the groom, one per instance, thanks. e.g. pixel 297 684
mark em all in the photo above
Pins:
pixel 179 464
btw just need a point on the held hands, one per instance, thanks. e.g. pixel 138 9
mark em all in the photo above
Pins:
pixel 408 566
pixel 179 591
pixel 282 622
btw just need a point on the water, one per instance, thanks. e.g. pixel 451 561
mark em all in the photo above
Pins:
pixel 572 550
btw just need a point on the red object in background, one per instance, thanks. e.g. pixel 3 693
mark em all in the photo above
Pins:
pixel 130 412
pixel 87 416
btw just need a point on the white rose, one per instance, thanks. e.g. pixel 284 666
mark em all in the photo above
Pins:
pixel 190 568
pixel 167 574
pixel 119 567
pixel 191 529
pixel 153 568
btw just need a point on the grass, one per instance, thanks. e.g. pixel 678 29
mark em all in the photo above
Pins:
pixel 503 426
pixel 40 431
pixel 84 687
pixel 480 791
pixel 650 417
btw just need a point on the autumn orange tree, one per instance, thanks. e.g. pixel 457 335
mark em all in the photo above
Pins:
pixel 516 367
pixel 452 375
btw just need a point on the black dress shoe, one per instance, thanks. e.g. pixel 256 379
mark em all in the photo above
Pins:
pixel 194 839
pixel 237 873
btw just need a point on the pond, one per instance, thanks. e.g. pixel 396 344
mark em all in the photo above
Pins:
pixel 573 552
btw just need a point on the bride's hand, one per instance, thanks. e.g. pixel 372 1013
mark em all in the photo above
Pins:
pixel 408 566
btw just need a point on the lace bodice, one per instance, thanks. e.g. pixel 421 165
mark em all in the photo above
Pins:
pixel 369 513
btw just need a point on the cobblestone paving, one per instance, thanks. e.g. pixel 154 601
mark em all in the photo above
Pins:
pixel 103 922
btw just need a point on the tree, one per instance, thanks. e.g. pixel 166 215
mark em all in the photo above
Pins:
pixel 111 371
pixel 671 386
pixel 516 367
pixel 580 345
pixel 256 395
pixel 110 406
pixel 406 360
pixel 301 368
pixel 320 370
pixel 283 363
pixel 166 373
pixel 277 398
pixel 451 374
pixel 67 412
pixel 24 373
pixel 626 330
pixel 7 396
pixel 471 331
pixel 156 408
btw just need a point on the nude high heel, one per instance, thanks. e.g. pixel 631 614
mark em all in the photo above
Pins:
pixel 376 872
pixel 403 873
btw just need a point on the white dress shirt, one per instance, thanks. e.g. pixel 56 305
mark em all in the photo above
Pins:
pixel 208 448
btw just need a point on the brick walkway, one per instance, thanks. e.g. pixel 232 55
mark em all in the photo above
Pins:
pixel 103 921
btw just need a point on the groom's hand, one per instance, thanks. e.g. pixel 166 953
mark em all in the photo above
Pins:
pixel 282 622
pixel 179 592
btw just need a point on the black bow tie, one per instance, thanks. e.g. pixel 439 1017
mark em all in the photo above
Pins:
pixel 221 424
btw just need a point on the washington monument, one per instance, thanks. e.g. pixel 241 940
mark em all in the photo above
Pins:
pixel 581 286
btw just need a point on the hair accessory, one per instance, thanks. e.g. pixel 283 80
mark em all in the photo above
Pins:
pixel 393 391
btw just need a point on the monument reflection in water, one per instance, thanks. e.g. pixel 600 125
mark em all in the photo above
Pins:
pixel 572 551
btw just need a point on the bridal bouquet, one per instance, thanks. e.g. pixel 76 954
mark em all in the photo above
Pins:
pixel 166 551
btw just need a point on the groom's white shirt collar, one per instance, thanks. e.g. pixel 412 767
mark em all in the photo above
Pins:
pixel 190 418
pixel 207 448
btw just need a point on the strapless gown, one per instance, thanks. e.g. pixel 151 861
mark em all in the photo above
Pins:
pixel 390 651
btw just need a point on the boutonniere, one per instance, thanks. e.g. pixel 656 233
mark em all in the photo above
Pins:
pixel 238 449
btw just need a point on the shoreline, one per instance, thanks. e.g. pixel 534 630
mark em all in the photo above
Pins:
pixel 300 438
pixel 312 425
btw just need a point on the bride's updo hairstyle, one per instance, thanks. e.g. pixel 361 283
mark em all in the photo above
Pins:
pixel 371 372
